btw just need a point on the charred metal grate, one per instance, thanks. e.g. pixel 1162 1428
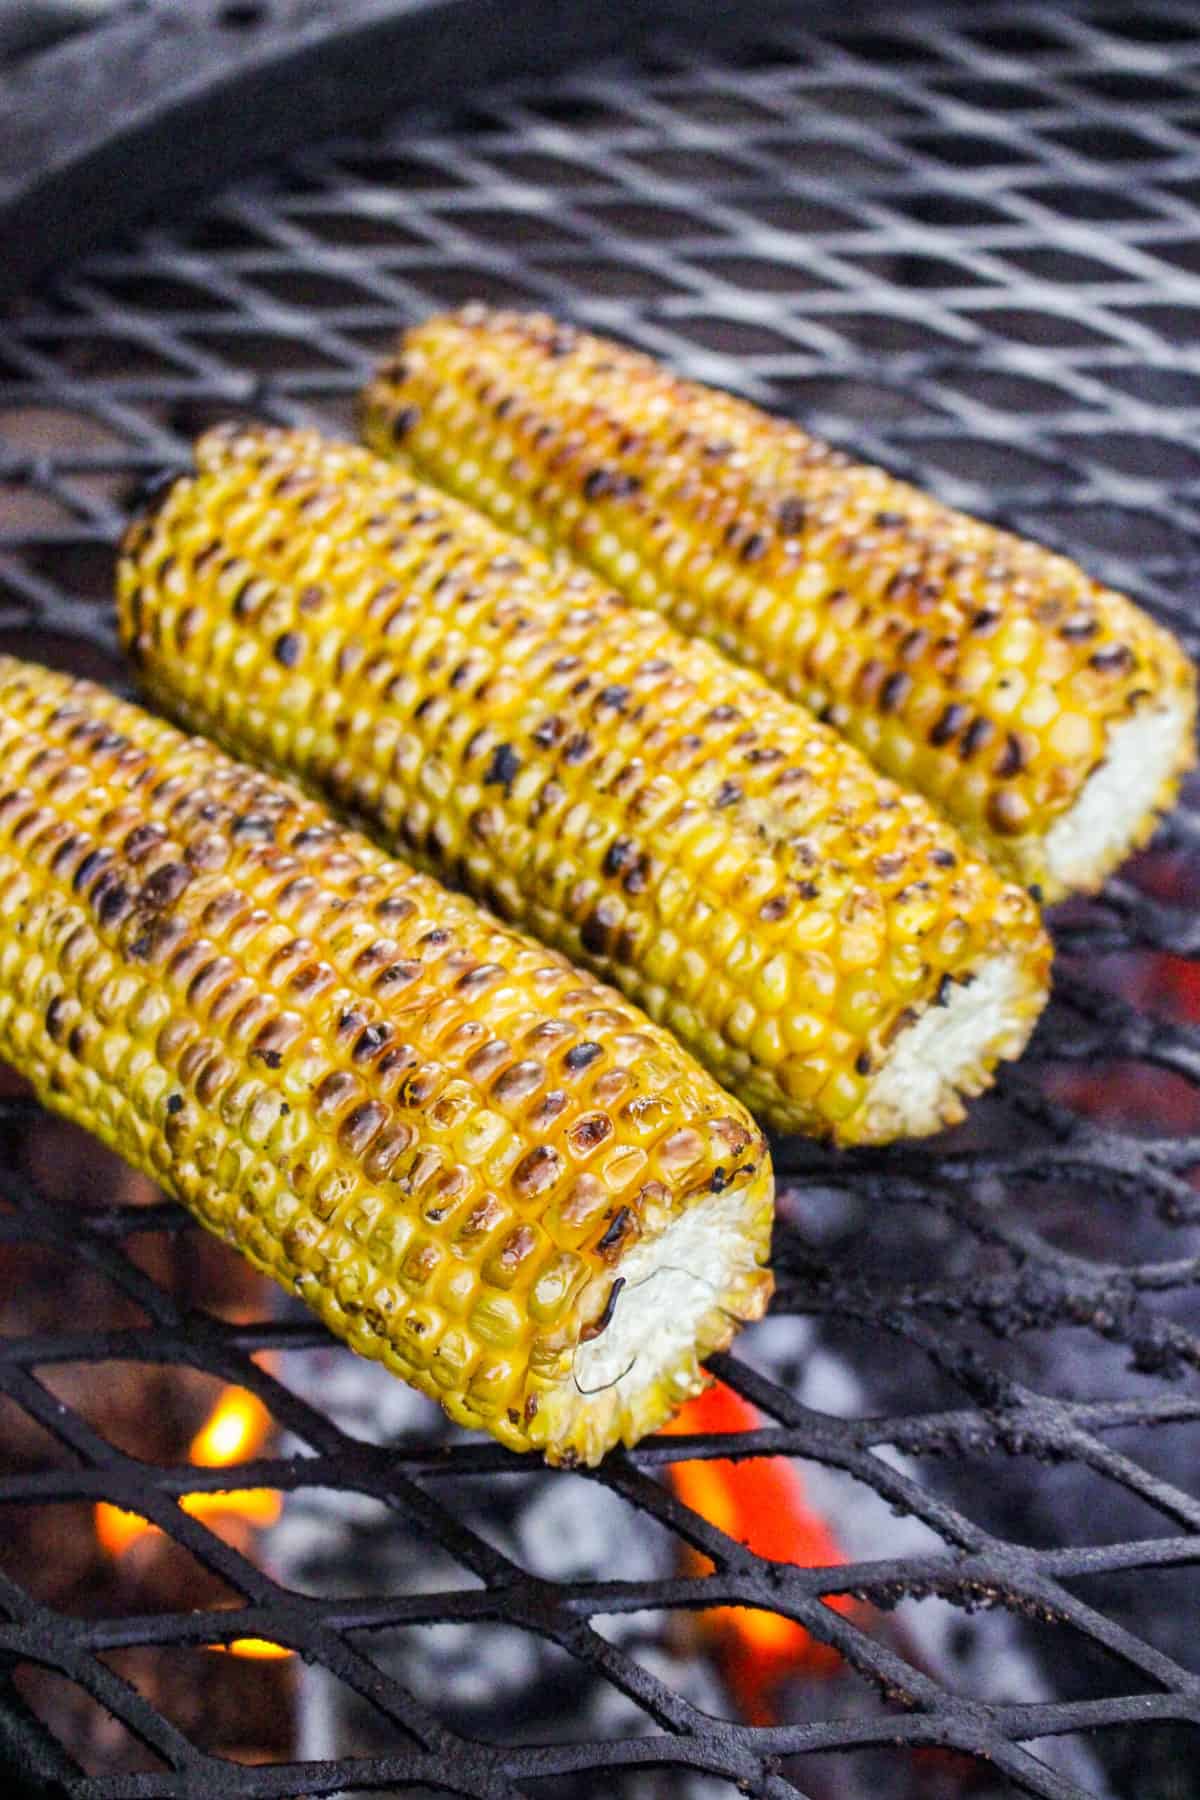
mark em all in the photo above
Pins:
pixel 965 241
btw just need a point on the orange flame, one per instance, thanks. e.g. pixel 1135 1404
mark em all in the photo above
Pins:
pixel 238 1424
pixel 761 1503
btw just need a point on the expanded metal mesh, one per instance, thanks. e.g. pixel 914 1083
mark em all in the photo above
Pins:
pixel 967 244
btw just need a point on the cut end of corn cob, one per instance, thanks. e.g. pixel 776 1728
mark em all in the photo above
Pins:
pixel 1123 799
pixel 675 1300
pixel 949 1050
pixel 820 939
pixel 1045 714
pixel 456 1148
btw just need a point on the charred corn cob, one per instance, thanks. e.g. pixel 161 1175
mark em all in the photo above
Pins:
pixel 474 1162
pixel 822 941
pixel 1047 716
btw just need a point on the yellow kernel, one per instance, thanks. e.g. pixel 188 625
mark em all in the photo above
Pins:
pixel 772 983
pixel 859 1004
pixel 842 1095
pixel 497 1320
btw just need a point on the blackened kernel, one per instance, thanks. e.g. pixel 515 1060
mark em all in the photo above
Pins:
pixel 978 733
pixel 1078 630
pixel 174 1104
pixel 727 794
pixel 581 1056
pixel 537 1171
pixel 619 854
pixel 1011 759
pixel 503 768
pixel 894 690
pixel 588 1133
pixel 288 649
pixel 1113 659
pixel 403 421
pixel 111 899
pixel 360 1125
pixel 141 840
pixel 774 908
pixel 476 979
pixel 93 862
pixel 164 887
pixel 862 1063
pixel 754 547
pixel 791 515
pixel 254 828
pixel 370 1042
pixel 56 1018
pixel 576 748
pixel 948 724
pixel 616 696
pixel 984 621
pixel 597 929
pixel 621 1221
pixel 886 520
pixel 548 733
pixel 944 859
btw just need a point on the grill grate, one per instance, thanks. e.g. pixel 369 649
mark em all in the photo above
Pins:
pixel 966 243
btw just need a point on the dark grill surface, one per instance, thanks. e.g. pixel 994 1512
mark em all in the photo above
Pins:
pixel 965 242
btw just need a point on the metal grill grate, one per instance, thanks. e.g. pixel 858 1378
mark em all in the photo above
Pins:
pixel 967 243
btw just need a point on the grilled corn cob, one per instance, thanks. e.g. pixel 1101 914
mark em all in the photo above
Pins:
pixel 821 940
pixel 1046 715
pixel 475 1163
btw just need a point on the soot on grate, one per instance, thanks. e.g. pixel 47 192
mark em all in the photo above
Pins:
pixel 965 243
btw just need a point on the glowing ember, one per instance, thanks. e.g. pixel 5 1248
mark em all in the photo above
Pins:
pixel 760 1502
pixel 257 1649
pixel 237 1426
pixel 117 1529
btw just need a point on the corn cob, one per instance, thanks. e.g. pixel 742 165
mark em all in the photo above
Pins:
pixel 1046 715
pixel 821 940
pixel 475 1163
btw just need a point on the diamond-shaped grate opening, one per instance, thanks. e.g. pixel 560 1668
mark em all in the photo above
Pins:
pixel 965 243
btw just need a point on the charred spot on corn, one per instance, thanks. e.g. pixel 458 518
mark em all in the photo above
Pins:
pixel 621 1222
pixel 288 649
pixel 601 1325
pixel 504 767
